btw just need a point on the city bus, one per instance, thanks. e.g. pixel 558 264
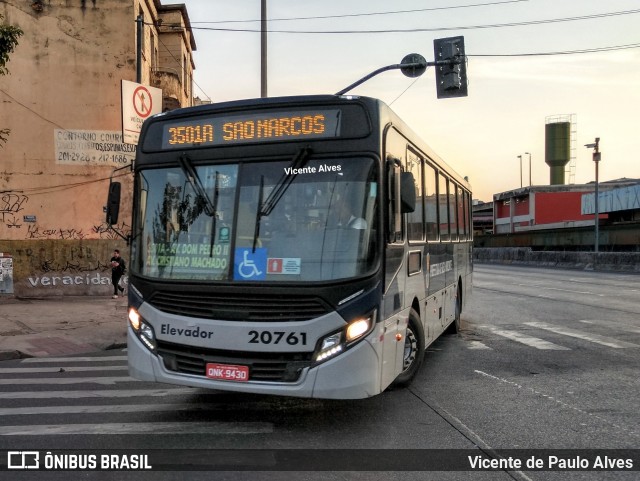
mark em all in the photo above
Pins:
pixel 308 246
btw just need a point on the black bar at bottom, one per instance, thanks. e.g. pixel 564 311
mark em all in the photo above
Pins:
pixel 322 460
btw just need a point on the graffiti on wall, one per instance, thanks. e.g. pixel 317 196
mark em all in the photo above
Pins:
pixel 105 231
pixel 34 231
pixel 11 217
pixel 10 205
pixel 80 267
pixel 100 231
pixel 78 259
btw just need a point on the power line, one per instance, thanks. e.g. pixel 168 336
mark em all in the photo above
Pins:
pixel 181 66
pixel 429 29
pixel 31 110
pixel 56 188
pixel 393 12
pixel 563 52
pixel 405 90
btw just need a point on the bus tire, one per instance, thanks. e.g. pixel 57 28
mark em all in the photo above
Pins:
pixel 454 327
pixel 413 351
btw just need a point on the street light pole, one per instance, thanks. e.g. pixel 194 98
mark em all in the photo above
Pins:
pixel 263 48
pixel 530 184
pixel 520 157
pixel 596 159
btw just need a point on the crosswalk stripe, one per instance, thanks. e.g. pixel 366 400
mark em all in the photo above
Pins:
pixel 61 373
pixel 56 360
pixel 604 340
pixel 477 345
pixel 102 409
pixel 617 326
pixel 215 428
pixel 528 340
pixel 31 370
pixel 67 380
pixel 98 394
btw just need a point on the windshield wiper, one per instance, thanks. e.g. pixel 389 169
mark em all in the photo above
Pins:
pixel 256 228
pixel 285 181
pixel 265 208
pixel 194 179
pixel 210 207
pixel 214 217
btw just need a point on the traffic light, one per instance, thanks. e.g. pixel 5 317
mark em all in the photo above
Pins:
pixel 451 67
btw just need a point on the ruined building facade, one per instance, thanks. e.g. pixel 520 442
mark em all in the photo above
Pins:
pixel 63 105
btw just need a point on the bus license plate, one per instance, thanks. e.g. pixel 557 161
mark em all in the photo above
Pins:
pixel 228 372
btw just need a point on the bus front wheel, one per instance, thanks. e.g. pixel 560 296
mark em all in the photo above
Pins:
pixel 413 351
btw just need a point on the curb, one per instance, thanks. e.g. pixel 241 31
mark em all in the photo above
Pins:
pixel 11 355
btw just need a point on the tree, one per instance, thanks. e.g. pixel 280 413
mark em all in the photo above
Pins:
pixel 8 41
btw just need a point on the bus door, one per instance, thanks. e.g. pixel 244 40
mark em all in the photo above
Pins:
pixel 402 195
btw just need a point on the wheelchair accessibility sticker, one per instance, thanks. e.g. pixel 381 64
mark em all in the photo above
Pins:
pixel 250 265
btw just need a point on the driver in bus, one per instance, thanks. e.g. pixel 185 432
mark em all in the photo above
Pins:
pixel 346 217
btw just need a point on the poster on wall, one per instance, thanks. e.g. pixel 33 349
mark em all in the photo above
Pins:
pixel 6 274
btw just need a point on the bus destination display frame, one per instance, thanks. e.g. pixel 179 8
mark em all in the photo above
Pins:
pixel 252 127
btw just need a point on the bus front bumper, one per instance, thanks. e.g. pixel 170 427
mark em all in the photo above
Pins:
pixel 354 374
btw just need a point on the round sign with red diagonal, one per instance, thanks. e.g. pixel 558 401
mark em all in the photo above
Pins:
pixel 142 101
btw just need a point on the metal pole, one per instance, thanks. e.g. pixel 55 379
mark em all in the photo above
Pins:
pixel 397 66
pixel 596 159
pixel 520 157
pixel 597 219
pixel 263 48
pixel 528 153
pixel 139 31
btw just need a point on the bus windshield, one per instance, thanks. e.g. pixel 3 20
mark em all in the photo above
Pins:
pixel 305 220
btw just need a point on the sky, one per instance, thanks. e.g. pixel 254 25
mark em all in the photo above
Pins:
pixel 513 89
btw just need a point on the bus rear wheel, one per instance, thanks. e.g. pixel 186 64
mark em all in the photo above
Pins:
pixel 413 351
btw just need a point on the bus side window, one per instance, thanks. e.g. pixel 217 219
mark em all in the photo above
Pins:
pixel 415 219
pixel 431 204
pixel 443 206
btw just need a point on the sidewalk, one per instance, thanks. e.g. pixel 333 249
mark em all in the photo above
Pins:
pixel 61 326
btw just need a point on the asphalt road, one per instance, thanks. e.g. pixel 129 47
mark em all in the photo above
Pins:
pixel 547 359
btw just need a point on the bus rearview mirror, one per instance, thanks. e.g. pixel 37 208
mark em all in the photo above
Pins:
pixel 113 203
pixel 407 192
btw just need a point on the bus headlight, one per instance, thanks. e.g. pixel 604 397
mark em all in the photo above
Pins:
pixel 330 346
pixel 142 329
pixel 335 343
pixel 134 319
pixel 358 328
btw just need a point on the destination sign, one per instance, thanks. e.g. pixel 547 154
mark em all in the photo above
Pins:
pixel 251 128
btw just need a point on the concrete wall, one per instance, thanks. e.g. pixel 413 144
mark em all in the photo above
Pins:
pixel 603 261
pixel 62 102
pixel 46 268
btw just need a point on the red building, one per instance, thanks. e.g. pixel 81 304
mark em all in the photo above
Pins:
pixel 549 207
